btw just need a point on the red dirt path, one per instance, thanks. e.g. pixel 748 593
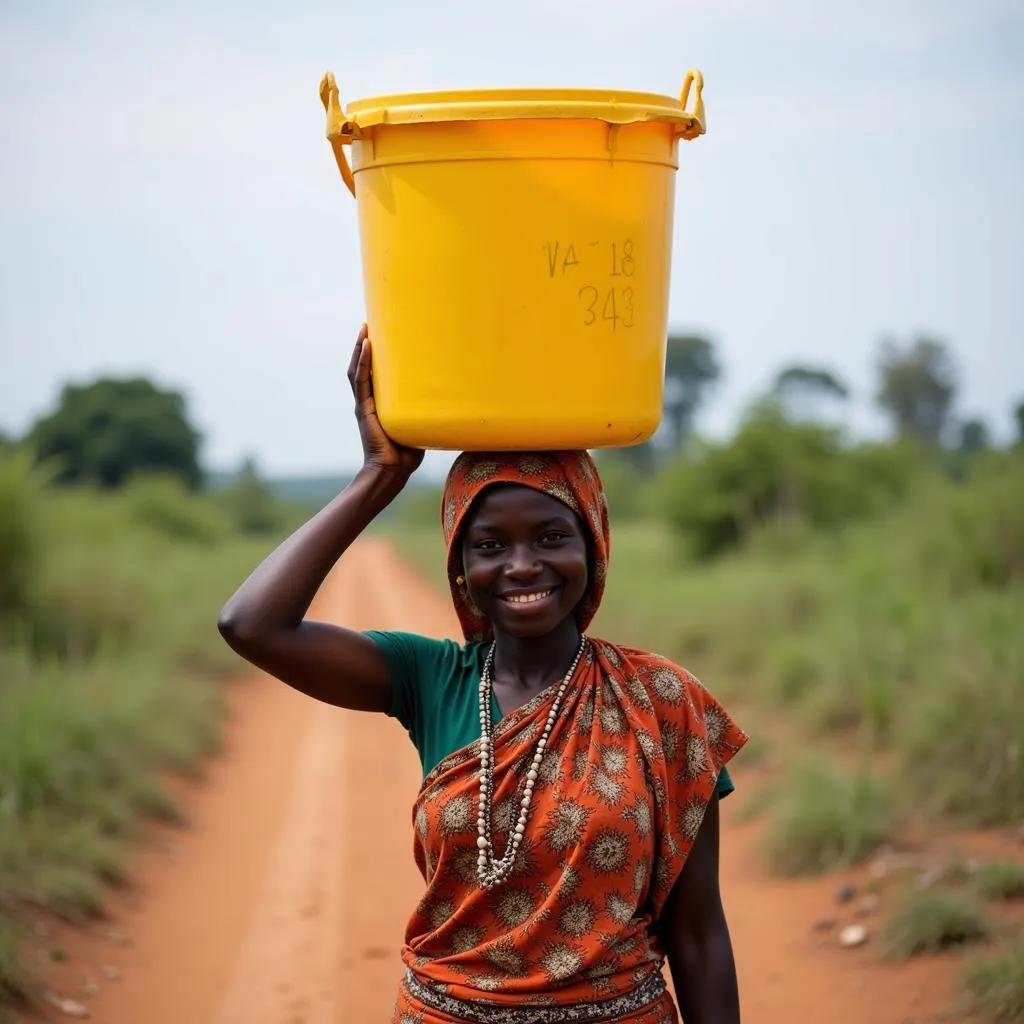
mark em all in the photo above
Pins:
pixel 285 901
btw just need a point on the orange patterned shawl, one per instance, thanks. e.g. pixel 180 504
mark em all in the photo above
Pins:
pixel 629 769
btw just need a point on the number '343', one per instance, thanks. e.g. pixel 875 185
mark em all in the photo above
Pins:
pixel 614 306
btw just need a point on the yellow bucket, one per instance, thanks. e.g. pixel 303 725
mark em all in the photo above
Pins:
pixel 516 247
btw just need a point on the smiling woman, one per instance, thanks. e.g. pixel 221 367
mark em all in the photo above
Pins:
pixel 567 825
pixel 525 559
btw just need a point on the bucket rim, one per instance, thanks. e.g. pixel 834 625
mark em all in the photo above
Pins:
pixel 614 106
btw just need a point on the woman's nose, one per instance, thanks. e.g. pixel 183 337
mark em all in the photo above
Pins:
pixel 522 564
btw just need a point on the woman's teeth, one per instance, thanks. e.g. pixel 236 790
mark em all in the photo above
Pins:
pixel 527 598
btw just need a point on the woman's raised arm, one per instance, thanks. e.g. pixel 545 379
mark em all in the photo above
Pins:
pixel 264 621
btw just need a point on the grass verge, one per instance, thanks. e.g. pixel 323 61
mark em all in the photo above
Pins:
pixel 992 988
pixel 1000 880
pixel 932 920
pixel 110 679
pixel 17 988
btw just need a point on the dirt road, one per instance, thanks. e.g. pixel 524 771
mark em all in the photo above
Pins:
pixel 286 900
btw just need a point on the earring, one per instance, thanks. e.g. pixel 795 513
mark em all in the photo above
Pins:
pixel 460 581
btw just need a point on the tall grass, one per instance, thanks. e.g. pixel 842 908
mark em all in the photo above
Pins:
pixel 931 920
pixel 19 537
pixel 1000 880
pixel 109 679
pixel 825 818
pixel 993 987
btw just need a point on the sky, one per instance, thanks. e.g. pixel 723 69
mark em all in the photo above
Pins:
pixel 169 205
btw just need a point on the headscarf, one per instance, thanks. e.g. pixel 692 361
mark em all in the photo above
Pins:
pixel 570 476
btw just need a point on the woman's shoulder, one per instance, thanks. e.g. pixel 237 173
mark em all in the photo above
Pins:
pixel 427 653
pixel 674 700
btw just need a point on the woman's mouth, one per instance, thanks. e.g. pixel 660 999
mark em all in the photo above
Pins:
pixel 525 599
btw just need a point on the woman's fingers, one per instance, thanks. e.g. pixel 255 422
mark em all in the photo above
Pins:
pixel 366 405
pixel 353 363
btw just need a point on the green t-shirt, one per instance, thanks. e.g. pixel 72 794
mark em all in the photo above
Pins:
pixel 435 690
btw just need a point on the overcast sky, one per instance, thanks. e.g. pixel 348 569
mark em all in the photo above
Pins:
pixel 169 206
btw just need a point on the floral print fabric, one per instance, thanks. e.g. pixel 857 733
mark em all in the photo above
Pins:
pixel 629 770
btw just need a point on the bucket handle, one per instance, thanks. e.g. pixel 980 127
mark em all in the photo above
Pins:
pixel 697 124
pixel 337 124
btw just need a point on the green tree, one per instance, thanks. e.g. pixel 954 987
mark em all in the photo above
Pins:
pixel 775 471
pixel 104 432
pixel 918 385
pixel 691 368
pixel 974 436
pixel 1018 415
pixel 804 390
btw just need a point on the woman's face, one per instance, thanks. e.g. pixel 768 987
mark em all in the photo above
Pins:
pixel 524 555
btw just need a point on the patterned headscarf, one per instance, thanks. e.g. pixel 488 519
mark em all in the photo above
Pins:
pixel 571 477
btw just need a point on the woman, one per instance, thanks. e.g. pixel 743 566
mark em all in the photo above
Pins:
pixel 567 825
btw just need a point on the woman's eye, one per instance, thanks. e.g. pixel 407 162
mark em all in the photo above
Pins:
pixel 553 536
pixel 487 545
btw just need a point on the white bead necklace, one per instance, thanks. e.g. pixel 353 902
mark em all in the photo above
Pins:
pixel 491 871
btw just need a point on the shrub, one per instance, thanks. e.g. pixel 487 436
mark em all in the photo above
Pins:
pixel 993 988
pixel 1000 880
pixel 963 746
pixel 19 540
pixel 825 819
pixel 987 528
pixel 930 920
pixel 252 505
pixel 165 505
pixel 772 476
pixel 86 599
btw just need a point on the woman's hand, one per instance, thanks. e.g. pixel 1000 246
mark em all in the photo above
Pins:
pixel 378 449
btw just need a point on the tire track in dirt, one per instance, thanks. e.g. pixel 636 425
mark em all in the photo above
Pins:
pixel 287 901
